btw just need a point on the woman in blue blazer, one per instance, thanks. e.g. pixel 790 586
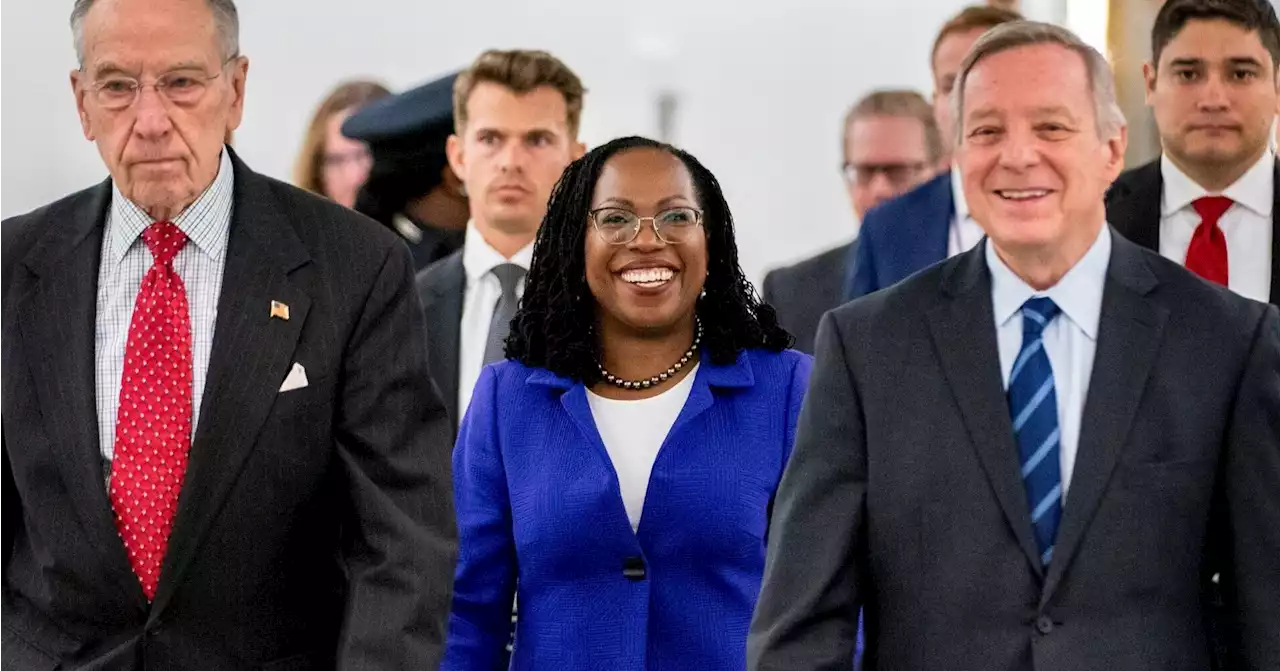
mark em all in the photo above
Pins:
pixel 616 473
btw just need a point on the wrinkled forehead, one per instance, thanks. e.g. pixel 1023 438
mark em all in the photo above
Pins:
pixel 140 37
pixel 1028 79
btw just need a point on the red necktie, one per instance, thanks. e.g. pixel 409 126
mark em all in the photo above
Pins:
pixel 153 425
pixel 1207 255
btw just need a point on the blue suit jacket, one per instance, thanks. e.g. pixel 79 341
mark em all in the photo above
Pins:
pixel 902 236
pixel 540 516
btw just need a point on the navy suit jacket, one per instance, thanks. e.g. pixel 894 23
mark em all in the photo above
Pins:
pixel 540 516
pixel 901 237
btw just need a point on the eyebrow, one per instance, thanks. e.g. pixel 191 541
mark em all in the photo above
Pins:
pixel 111 68
pixel 1230 60
pixel 623 202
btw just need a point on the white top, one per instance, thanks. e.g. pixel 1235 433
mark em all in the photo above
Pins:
pixel 125 260
pixel 633 432
pixel 479 298
pixel 1070 340
pixel 1247 225
pixel 964 232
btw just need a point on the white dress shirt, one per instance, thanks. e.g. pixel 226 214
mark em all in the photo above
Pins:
pixel 1247 226
pixel 1070 340
pixel 633 433
pixel 964 232
pixel 126 259
pixel 480 297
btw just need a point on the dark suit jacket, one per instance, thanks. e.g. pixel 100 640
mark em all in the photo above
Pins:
pixel 901 237
pixel 1133 208
pixel 802 293
pixel 440 288
pixel 315 527
pixel 904 495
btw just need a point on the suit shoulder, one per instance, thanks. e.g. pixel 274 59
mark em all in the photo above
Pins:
pixel 439 270
pixel 21 233
pixel 770 362
pixel 905 299
pixel 1132 179
pixel 1180 289
pixel 319 220
pixel 815 267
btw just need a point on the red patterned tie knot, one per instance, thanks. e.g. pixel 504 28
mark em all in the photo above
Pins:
pixel 165 240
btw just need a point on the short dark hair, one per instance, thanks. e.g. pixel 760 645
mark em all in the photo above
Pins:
pixel 555 329
pixel 1254 15
pixel 972 18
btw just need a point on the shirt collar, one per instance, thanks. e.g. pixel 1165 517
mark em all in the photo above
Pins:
pixel 205 222
pixel 957 194
pixel 1253 190
pixel 479 257
pixel 1078 294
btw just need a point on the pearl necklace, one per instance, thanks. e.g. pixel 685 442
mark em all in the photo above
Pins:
pixel 660 377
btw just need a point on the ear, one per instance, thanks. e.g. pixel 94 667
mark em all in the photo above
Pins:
pixel 1115 148
pixel 239 73
pixel 457 160
pixel 80 89
pixel 1149 76
pixel 577 150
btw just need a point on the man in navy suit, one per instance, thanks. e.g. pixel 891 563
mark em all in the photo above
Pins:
pixel 931 222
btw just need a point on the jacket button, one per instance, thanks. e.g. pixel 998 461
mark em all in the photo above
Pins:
pixel 1044 625
pixel 633 568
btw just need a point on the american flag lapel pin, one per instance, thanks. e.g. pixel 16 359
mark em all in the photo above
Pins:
pixel 279 311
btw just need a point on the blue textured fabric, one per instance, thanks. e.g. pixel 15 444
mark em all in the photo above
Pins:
pixel 540 517
pixel 900 237
pixel 1033 406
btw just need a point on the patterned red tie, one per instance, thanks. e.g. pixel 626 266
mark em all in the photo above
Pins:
pixel 1207 255
pixel 153 425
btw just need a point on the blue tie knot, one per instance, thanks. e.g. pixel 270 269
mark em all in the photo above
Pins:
pixel 1036 315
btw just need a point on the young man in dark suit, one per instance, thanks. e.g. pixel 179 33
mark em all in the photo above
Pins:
pixel 891 144
pixel 1037 454
pixel 221 445
pixel 1211 201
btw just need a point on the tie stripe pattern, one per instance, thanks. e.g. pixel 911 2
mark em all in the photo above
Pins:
pixel 1033 407
pixel 153 423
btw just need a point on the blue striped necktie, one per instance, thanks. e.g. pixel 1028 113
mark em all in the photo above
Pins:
pixel 1033 405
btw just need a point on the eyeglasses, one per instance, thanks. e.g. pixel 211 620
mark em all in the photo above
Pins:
pixel 617 226
pixel 338 160
pixel 181 87
pixel 898 174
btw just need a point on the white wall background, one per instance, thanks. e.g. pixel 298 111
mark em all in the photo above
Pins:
pixel 762 86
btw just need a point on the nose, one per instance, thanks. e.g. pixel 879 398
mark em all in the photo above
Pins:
pixel 1020 151
pixel 881 188
pixel 152 120
pixel 647 239
pixel 511 158
pixel 1214 95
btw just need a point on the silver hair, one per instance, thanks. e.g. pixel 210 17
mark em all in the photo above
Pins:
pixel 224 15
pixel 1110 119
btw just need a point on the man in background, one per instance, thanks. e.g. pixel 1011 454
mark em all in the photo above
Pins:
pixel 411 188
pixel 891 144
pixel 932 222
pixel 516 116
pixel 1211 200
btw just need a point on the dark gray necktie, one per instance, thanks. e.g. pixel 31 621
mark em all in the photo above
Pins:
pixel 509 275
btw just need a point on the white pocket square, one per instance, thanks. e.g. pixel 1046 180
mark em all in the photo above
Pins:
pixel 296 379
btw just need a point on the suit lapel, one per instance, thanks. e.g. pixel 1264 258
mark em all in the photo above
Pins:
pixel 1128 338
pixel 1133 206
pixel 252 353
pixel 58 327
pixel 964 337
pixel 1275 238
pixel 443 308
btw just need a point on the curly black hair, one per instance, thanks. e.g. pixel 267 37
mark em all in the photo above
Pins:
pixel 555 325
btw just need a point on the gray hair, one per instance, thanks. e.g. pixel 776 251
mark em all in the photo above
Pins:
pixel 224 15
pixel 1109 118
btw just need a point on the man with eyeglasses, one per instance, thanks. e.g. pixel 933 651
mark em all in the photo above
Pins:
pixel 891 144
pixel 221 445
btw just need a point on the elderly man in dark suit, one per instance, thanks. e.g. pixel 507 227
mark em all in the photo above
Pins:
pixel 1035 455
pixel 891 144
pixel 222 449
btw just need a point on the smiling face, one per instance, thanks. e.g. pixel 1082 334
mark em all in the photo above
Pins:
pixel 1033 165
pixel 645 285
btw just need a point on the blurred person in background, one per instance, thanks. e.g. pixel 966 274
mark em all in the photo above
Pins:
pixel 330 163
pixel 516 114
pixel 618 469
pixel 931 222
pixel 221 444
pixel 410 188
pixel 891 144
